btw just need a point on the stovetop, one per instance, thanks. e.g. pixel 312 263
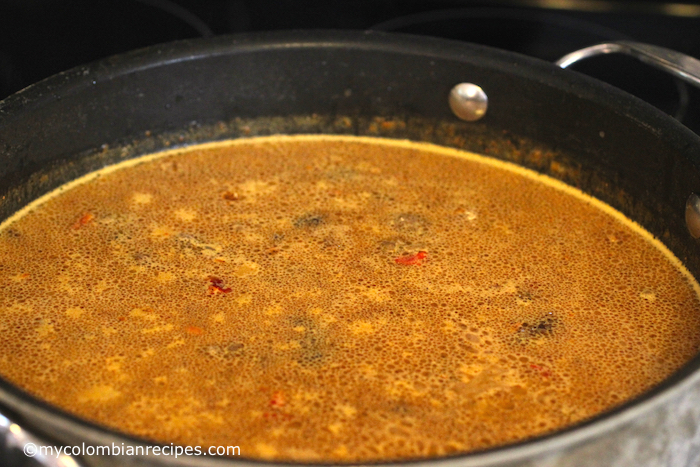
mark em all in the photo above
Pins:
pixel 41 37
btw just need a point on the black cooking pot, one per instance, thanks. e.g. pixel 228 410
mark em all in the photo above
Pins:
pixel 557 122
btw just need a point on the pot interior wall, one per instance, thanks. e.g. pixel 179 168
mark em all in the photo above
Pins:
pixel 591 136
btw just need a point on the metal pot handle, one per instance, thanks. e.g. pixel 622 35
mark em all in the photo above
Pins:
pixel 17 437
pixel 680 65
pixel 683 66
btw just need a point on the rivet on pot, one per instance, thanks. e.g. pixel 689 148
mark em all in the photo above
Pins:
pixel 692 215
pixel 468 101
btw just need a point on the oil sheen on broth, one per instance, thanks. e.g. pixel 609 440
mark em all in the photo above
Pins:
pixel 336 298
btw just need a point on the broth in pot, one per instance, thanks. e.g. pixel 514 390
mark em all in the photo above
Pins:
pixel 336 299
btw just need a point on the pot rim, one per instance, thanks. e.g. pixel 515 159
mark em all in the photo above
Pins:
pixel 72 81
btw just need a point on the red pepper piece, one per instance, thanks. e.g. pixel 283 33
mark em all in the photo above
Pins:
pixel 277 402
pixel 194 330
pixel 543 371
pixel 412 260
pixel 217 286
pixel 277 399
pixel 85 219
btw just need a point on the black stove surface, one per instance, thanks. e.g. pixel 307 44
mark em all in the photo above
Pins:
pixel 41 37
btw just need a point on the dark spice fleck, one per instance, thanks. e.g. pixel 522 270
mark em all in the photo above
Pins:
pixel 309 221
pixel 543 326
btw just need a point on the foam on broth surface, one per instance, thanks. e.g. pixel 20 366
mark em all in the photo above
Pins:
pixel 328 298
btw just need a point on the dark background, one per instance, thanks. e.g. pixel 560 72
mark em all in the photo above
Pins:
pixel 39 38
